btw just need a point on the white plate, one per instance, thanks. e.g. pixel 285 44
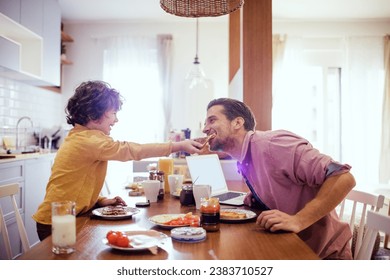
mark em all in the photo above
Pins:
pixel 160 220
pixel 130 211
pixel 141 240
pixel 249 215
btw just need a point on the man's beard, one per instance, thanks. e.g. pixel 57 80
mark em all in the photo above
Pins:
pixel 217 145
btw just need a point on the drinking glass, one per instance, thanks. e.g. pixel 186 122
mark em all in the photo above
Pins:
pixel 63 227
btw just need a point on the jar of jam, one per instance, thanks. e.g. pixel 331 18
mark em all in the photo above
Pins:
pixel 209 213
pixel 187 196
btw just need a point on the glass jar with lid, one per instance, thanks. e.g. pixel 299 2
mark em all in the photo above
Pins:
pixel 187 196
pixel 209 213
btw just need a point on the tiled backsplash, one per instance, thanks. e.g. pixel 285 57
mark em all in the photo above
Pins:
pixel 44 107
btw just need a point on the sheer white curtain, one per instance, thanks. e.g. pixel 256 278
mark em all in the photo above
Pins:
pixel 289 100
pixel 362 97
pixel 164 55
pixel 362 83
pixel 384 171
pixel 131 66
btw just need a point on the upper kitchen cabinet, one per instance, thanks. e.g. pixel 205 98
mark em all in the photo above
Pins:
pixel 31 15
pixel 31 29
pixel 11 8
pixel 51 42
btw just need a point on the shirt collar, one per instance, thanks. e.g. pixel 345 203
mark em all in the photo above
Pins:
pixel 245 145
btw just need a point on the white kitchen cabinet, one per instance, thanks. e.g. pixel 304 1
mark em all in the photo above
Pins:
pixel 9 54
pixel 12 172
pixel 34 27
pixel 28 13
pixel 16 244
pixel 11 8
pixel 37 173
pixel 32 174
pixel 31 15
pixel 51 67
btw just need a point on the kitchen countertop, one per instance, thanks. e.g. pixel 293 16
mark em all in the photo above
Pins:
pixel 14 157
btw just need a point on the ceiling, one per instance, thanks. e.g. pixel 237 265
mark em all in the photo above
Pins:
pixel 149 10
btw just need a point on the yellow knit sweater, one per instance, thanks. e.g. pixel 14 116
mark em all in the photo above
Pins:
pixel 80 167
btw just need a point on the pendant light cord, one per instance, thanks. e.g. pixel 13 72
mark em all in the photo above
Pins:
pixel 197 36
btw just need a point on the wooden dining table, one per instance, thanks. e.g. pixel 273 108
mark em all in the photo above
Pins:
pixel 234 241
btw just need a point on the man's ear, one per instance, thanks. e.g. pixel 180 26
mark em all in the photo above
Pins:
pixel 238 122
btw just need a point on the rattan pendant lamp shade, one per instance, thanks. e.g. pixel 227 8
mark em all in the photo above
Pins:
pixel 200 8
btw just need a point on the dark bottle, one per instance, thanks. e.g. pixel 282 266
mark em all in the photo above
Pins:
pixel 160 177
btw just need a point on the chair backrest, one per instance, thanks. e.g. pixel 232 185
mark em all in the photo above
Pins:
pixel 361 203
pixel 10 191
pixel 375 222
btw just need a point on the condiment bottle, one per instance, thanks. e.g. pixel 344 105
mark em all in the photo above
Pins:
pixel 209 213
pixel 160 177
pixel 166 165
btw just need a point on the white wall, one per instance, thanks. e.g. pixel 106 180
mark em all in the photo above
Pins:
pixel 213 54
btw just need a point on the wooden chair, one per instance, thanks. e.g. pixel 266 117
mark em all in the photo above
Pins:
pixel 361 203
pixel 375 222
pixel 10 191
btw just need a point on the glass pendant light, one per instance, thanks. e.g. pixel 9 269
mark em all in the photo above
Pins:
pixel 199 92
pixel 196 76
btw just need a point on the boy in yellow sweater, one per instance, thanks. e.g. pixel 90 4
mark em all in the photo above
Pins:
pixel 80 165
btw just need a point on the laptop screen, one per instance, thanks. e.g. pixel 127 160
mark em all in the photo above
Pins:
pixel 207 170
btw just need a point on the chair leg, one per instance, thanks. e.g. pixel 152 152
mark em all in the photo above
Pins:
pixel 4 233
pixel 386 241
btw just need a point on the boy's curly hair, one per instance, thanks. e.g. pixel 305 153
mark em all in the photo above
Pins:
pixel 90 101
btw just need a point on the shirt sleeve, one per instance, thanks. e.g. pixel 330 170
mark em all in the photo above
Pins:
pixel 294 157
pixel 335 168
pixel 104 148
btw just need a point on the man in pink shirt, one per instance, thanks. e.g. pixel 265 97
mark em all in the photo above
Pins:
pixel 295 185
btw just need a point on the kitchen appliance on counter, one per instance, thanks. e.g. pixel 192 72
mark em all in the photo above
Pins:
pixel 47 140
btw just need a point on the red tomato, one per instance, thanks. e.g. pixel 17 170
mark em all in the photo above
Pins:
pixel 109 233
pixel 123 241
pixel 112 238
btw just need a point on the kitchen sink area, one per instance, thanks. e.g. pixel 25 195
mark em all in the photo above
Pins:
pixel 26 141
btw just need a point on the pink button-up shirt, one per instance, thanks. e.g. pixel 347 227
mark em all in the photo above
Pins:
pixel 286 172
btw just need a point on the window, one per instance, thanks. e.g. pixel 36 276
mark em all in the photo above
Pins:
pixel 330 91
pixel 131 66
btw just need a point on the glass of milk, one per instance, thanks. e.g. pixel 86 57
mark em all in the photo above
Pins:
pixel 63 227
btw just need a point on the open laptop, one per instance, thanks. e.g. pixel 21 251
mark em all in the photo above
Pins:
pixel 207 170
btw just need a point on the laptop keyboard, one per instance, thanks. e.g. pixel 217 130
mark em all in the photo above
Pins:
pixel 227 196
